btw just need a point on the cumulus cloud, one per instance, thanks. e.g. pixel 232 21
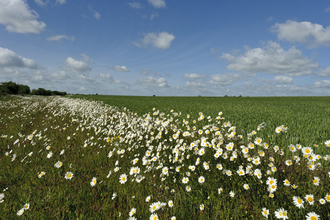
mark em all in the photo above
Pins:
pixel 324 72
pixel 17 17
pixel 121 68
pixel 96 14
pixel 86 58
pixel 157 3
pixel 273 59
pixel 322 84
pixel 76 66
pixel 225 79
pixel 9 58
pixel 153 82
pixel 135 5
pixel 196 85
pixel 162 40
pixel 108 78
pixel 87 78
pixel 59 75
pixel 43 78
pixel 283 79
pixel 302 32
pixel 59 37
pixel 194 76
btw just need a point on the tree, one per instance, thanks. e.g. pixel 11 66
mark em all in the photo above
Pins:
pixel 10 87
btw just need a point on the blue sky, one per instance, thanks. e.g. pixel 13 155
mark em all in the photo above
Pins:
pixel 167 47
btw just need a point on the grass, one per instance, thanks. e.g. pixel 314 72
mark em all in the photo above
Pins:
pixel 64 158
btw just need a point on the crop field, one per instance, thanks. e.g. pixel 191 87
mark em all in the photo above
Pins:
pixel 118 157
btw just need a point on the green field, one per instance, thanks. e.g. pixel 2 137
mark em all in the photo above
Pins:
pixel 307 118
pixel 77 158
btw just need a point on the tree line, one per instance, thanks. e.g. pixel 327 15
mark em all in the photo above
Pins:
pixel 12 88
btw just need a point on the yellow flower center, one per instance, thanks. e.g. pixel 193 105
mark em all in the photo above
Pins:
pixel 310 199
pixel 299 201
pixel 313 218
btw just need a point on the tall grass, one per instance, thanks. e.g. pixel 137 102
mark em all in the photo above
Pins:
pixel 67 159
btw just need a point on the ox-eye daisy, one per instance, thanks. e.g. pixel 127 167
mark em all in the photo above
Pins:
pixel 153 207
pixel 310 199
pixel 265 212
pixel 123 178
pixel 68 175
pixel 41 174
pixel 93 181
pixel 58 164
pixel 154 217
pixel 312 216
pixel 281 213
pixel 298 202
pixel 201 179
pixel 132 212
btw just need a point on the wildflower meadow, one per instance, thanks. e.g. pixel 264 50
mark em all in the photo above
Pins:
pixel 72 158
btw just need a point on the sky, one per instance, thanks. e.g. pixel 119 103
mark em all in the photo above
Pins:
pixel 167 47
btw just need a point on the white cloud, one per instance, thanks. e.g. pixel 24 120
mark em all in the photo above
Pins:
pixel 324 72
pixel 283 79
pixel 327 9
pixel 82 89
pixel 194 76
pixel 9 58
pixel 153 82
pixel 96 14
pixel 157 3
pixel 302 32
pixel 86 58
pixel 58 75
pixel 162 40
pixel 41 3
pixel 195 85
pixel 225 79
pixel 108 78
pixel 270 18
pixel 17 17
pixel 322 84
pixel 135 5
pixel 59 37
pixel 153 15
pixel 121 68
pixel 87 78
pixel 144 71
pixel 61 2
pixel 273 59
pixel 76 66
